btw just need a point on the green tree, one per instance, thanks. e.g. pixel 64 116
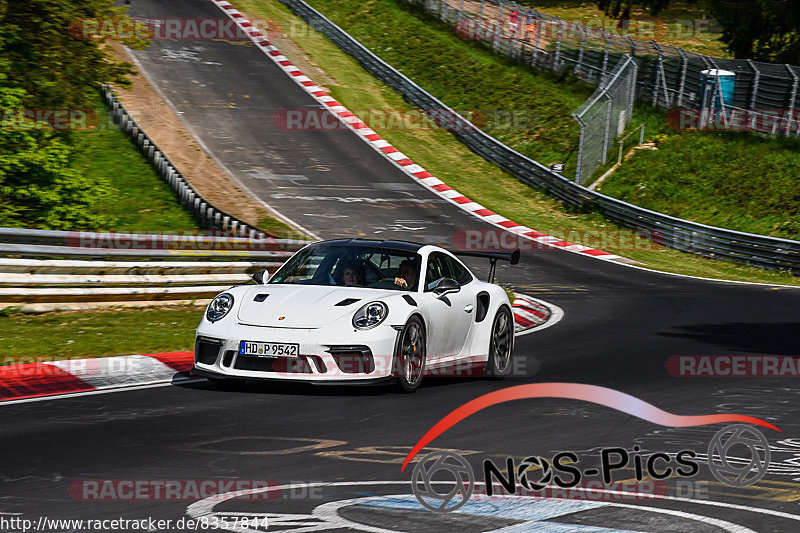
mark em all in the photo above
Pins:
pixel 622 8
pixel 55 66
pixel 764 30
pixel 37 186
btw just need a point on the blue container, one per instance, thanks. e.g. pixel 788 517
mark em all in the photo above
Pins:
pixel 722 93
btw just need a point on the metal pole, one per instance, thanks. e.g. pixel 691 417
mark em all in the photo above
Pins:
pixel 604 72
pixel 684 65
pixel 498 29
pixel 480 20
pixel 581 140
pixel 632 91
pixel 557 58
pixel 580 53
pixel 792 99
pixel 536 42
pixel 753 91
pixel 658 70
pixel 519 31
pixel 607 133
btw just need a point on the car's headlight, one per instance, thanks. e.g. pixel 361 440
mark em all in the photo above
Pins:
pixel 219 307
pixel 370 315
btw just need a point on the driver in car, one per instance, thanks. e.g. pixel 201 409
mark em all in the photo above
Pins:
pixel 406 277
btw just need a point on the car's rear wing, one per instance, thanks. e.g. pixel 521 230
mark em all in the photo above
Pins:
pixel 511 257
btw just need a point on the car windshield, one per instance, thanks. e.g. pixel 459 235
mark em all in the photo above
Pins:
pixel 352 266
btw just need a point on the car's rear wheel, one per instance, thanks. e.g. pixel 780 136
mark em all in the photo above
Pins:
pixel 410 357
pixel 500 345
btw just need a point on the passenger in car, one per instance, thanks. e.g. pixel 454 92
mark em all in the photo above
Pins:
pixel 353 275
pixel 406 275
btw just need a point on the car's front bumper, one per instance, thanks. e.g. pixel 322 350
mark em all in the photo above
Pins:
pixel 323 358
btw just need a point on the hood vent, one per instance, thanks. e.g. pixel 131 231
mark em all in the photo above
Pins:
pixel 260 297
pixel 347 301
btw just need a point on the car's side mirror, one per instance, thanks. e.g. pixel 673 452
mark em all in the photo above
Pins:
pixel 446 286
pixel 261 276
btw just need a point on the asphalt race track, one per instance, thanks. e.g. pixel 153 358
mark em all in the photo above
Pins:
pixel 620 327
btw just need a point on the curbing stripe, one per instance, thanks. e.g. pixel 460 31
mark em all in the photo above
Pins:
pixel 381 145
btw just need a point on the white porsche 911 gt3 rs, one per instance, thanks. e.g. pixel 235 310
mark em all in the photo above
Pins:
pixel 359 311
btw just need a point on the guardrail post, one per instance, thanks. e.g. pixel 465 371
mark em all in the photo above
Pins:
pixel 792 100
pixel 604 71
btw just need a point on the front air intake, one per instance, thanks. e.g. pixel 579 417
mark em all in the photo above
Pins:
pixel 353 359
pixel 206 350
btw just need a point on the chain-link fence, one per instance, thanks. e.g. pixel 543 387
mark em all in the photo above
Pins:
pixel 604 117
pixel 762 96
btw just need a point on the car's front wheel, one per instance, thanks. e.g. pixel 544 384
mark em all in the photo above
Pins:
pixel 409 358
pixel 500 345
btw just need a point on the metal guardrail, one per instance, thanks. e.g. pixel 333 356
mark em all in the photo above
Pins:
pixel 36 284
pixel 767 252
pixel 208 215
pixel 90 245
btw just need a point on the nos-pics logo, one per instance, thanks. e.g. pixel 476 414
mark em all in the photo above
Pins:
pixel 444 481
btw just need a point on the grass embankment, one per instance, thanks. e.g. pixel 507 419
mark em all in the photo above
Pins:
pixel 96 333
pixel 742 182
pixel 467 76
pixel 684 23
pixel 138 200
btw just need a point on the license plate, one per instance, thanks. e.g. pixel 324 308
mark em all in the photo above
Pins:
pixel 268 349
